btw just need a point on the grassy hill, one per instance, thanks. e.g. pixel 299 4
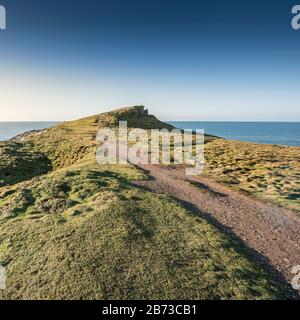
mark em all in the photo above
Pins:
pixel 72 229
pixel 270 172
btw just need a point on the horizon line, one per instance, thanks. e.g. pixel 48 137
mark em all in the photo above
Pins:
pixel 245 121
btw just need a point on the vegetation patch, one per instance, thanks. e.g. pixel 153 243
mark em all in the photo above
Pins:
pixel 71 229
pixel 269 171
pixel 19 162
pixel 101 238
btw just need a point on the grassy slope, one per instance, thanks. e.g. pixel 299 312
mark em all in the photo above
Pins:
pixel 83 231
pixel 269 171
pixel 87 233
pixel 18 162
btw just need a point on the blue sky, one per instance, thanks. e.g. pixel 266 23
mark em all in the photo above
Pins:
pixel 184 60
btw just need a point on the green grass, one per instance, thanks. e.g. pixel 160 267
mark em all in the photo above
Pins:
pixel 71 229
pixel 89 234
pixel 19 162
pixel 268 171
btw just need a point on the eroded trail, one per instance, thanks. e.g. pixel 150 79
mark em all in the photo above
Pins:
pixel 271 233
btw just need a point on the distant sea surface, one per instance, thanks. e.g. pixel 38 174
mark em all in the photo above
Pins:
pixel 11 129
pixel 285 133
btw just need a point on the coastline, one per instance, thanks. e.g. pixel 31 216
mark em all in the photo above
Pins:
pixel 52 186
pixel 215 128
pixel 275 133
pixel 11 129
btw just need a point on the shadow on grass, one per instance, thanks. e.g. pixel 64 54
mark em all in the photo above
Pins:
pixel 19 163
pixel 238 244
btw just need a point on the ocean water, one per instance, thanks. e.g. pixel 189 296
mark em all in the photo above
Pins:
pixel 11 129
pixel 284 133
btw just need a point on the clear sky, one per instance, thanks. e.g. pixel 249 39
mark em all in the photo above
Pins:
pixel 183 59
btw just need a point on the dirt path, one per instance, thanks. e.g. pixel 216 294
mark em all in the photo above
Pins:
pixel 272 234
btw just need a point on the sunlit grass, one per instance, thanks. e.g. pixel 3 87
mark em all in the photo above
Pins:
pixel 71 229
pixel 268 171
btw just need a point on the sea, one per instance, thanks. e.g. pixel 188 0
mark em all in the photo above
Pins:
pixel 283 133
pixel 11 129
